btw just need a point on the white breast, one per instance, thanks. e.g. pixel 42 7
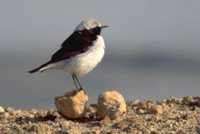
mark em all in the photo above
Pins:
pixel 85 62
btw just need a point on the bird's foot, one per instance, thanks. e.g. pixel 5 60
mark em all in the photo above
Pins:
pixel 81 89
pixel 74 92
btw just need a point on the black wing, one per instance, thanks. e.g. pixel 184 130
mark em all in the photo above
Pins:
pixel 77 43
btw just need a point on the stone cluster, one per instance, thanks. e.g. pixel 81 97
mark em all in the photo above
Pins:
pixel 110 115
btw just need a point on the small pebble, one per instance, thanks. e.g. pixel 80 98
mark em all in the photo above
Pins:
pixel 1 109
pixel 65 125
pixel 6 115
pixel 156 109
pixel 105 121
pixel 135 103
pixel 140 111
pixel 10 110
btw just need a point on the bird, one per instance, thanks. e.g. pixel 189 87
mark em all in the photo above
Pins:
pixel 79 53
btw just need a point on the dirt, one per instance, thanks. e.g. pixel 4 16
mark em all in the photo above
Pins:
pixel 168 116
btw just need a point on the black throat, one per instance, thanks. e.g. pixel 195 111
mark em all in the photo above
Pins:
pixel 91 34
pixel 95 31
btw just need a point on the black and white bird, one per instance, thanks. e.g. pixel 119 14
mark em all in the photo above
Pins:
pixel 79 53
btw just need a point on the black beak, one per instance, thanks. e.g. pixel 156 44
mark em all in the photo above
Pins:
pixel 104 26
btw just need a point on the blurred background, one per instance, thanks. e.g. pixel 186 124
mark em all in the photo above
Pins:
pixel 152 49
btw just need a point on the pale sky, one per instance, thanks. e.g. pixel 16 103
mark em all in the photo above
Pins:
pixel 152 48
pixel 166 24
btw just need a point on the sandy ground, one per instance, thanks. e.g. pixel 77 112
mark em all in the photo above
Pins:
pixel 168 116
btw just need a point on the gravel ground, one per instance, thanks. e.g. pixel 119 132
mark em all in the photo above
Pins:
pixel 169 116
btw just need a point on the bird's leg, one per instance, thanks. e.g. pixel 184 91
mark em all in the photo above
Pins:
pixel 73 77
pixel 76 90
pixel 76 80
pixel 81 88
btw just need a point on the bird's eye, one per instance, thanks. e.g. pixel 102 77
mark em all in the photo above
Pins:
pixel 80 32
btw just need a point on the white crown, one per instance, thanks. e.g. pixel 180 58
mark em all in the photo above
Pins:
pixel 88 24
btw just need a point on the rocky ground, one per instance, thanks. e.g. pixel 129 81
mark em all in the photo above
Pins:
pixel 169 116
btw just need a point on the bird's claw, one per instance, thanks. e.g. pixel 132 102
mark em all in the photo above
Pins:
pixel 81 89
pixel 74 92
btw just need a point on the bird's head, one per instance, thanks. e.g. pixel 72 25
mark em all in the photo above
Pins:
pixel 89 24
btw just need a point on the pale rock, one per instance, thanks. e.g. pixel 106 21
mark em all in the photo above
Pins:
pixel 111 104
pixel 149 104
pixel 135 103
pixel 34 111
pixel 31 115
pixel 41 128
pixel 105 121
pixel 72 105
pixel 17 112
pixel 2 109
pixel 156 109
pixel 140 111
pixel 91 111
pixel 65 125
pixel 10 110
pixel 97 131
pixel 6 115
pixel 25 113
pixel 42 112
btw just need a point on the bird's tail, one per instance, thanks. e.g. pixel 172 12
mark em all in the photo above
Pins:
pixel 39 69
